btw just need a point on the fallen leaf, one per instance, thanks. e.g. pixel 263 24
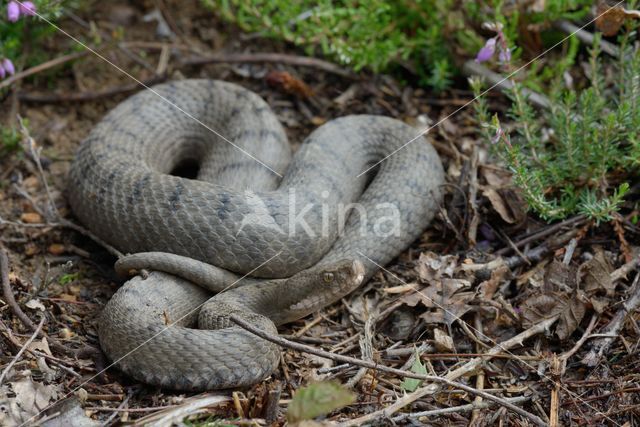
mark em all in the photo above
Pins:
pixel 507 204
pixel 431 266
pixel 31 218
pixel 610 19
pixel 27 399
pixel 442 341
pixel 489 287
pixel 411 384
pixel 35 304
pixel 559 277
pixel 56 249
pixel 596 274
pixel 541 307
pixel 318 399
pixel 400 289
pixel 289 83
pixel 444 300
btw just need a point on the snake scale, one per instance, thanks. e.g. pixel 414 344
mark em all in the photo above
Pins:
pixel 308 228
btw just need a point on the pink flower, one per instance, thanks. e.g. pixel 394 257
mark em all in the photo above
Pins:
pixel 7 65
pixel 13 11
pixel 28 8
pixel 487 50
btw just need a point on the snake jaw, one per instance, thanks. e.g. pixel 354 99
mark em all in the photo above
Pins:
pixel 357 271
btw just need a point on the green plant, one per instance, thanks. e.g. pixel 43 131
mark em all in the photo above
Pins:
pixel 9 141
pixel 579 156
pixel 380 34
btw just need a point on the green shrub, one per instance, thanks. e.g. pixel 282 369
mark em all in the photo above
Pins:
pixel 579 156
pixel 380 34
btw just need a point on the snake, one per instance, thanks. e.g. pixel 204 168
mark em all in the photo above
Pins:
pixel 249 229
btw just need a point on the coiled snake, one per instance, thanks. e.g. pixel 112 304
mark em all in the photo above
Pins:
pixel 312 236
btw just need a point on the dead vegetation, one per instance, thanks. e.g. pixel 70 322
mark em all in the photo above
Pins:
pixel 497 317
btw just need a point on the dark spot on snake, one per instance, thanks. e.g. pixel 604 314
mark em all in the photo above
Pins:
pixel 223 209
pixel 174 199
pixel 138 186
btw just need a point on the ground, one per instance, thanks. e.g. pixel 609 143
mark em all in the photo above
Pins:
pixel 507 274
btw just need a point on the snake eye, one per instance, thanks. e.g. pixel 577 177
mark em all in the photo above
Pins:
pixel 328 277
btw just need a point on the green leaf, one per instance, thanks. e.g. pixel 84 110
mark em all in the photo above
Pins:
pixel 318 399
pixel 411 384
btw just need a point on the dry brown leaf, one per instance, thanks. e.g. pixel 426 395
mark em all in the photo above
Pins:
pixel 442 341
pixel 31 218
pixel 596 274
pixel 610 19
pixel 401 289
pixel 443 299
pixel 56 249
pixel 431 267
pixel 289 83
pixel 544 306
pixel 496 178
pixel 507 203
pixel 489 287
pixel 559 277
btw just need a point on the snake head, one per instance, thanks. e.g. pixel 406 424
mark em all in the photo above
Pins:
pixel 321 286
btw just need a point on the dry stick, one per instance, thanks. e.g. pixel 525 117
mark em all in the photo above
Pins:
pixel 407 374
pixel 8 293
pixel 573 222
pixel 22 350
pixel 41 67
pixel 465 369
pixel 587 37
pixel 302 61
pixel 474 69
pixel 174 414
pixel 89 95
pixel 615 325
pixel 457 409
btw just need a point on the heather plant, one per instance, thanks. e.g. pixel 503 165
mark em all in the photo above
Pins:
pixel 580 155
pixel 424 35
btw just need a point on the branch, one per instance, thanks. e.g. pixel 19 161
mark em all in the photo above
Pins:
pixel 372 365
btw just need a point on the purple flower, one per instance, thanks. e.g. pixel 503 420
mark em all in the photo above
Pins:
pixel 7 65
pixel 487 50
pixel 13 11
pixel 2 72
pixel 504 56
pixel 28 8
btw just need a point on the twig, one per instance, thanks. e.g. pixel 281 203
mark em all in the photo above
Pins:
pixel 22 350
pixel 372 365
pixel 463 370
pixel 8 293
pixel 35 155
pixel 502 83
pixel 571 222
pixel 190 406
pixel 587 37
pixel 302 61
pixel 585 336
pixel 115 413
pixel 601 346
pixel 41 67
pixel 88 96
pixel 457 409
